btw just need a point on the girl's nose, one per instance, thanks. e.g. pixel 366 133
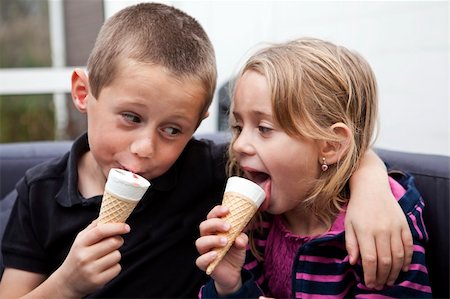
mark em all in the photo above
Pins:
pixel 143 146
pixel 243 144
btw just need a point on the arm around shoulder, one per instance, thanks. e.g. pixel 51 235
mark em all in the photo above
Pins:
pixel 413 283
pixel 375 225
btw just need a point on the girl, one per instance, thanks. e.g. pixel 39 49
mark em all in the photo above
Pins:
pixel 303 114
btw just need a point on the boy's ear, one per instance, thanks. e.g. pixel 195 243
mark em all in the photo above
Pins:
pixel 80 89
pixel 333 151
pixel 203 117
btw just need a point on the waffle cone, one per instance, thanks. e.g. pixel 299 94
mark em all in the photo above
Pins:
pixel 242 210
pixel 114 209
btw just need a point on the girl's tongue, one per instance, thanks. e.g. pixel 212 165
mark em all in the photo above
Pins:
pixel 265 182
pixel 267 186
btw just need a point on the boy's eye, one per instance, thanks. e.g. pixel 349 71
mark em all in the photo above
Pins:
pixel 131 117
pixel 172 131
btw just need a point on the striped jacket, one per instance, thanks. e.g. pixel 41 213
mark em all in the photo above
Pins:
pixel 321 268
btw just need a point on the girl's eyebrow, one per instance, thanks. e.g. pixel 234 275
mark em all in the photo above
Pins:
pixel 262 113
pixel 258 114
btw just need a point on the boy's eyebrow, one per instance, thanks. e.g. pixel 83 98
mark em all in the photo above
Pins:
pixel 136 102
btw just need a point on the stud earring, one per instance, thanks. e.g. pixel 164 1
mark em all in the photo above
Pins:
pixel 324 165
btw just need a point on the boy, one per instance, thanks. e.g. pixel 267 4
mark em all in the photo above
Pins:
pixel 151 79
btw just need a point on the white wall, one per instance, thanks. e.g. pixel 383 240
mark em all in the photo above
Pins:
pixel 407 44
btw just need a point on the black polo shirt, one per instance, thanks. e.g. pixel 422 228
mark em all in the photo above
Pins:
pixel 158 256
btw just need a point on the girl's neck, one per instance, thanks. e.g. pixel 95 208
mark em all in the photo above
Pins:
pixel 303 222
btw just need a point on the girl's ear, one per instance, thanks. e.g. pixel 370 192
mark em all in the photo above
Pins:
pixel 333 151
pixel 80 89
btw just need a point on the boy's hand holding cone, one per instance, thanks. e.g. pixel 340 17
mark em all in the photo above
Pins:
pixel 123 191
pixel 243 198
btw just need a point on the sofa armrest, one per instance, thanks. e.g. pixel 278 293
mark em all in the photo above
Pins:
pixel 16 158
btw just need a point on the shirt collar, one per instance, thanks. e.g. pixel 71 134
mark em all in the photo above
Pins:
pixel 69 195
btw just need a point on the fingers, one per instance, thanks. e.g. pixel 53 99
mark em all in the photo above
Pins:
pixel 402 250
pixel 93 259
pixel 98 256
pixel 213 226
pixel 207 243
pixel 210 239
pixel 397 250
pixel 107 261
pixel 241 241
pixel 93 234
pixel 384 259
pixel 106 246
pixel 108 274
pixel 407 247
pixel 369 260
pixel 352 245
pixel 96 247
pixel 218 212
pixel 204 260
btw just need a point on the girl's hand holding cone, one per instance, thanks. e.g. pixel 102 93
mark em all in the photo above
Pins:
pixel 222 244
pixel 227 273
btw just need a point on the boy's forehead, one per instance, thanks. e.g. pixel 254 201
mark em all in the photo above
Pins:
pixel 151 76
pixel 128 66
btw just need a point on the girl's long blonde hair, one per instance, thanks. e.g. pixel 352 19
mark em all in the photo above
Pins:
pixel 315 84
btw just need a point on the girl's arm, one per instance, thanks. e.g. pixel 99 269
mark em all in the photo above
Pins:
pixel 375 225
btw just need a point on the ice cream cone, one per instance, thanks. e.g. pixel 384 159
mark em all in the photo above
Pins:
pixel 115 209
pixel 123 191
pixel 243 198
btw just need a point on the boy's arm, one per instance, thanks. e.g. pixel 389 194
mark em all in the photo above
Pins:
pixel 413 283
pixel 375 225
pixel 16 283
pixel 92 261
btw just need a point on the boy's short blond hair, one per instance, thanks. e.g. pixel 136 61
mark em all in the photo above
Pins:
pixel 157 34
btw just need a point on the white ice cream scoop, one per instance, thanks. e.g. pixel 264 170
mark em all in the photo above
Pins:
pixel 123 191
pixel 126 185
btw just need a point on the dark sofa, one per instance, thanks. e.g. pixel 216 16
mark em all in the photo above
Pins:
pixel 432 173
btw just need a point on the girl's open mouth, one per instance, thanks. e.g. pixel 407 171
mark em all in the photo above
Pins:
pixel 263 180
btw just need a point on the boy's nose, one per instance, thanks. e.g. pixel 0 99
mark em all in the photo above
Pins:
pixel 143 147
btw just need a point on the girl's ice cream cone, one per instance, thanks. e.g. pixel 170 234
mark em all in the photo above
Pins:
pixel 123 191
pixel 243 198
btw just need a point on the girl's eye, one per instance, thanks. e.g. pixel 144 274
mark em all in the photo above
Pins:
pixel 236 129
pixel 131 117
pixel 172 131
pixel 263 129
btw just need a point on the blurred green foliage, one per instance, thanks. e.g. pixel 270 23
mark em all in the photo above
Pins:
pixel 24 33
pixel 26 118
pixel 25 42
